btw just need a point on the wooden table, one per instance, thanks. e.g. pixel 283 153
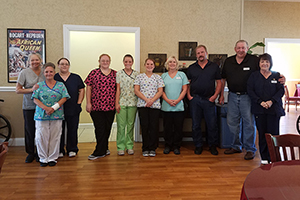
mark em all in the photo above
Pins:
pixel 276 181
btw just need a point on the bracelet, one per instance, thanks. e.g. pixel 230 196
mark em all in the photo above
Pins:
pixel 55 106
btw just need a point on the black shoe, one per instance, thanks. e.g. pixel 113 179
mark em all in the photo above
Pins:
pixel 37 158
pixel 213 150
pixel 198 150
pixel 29 158
pixel 176 151
pixel 167 150
pixel 43 164
pixel 52 163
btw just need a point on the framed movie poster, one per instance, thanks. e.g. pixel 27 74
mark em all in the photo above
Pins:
pixel 187 50
pixel 159 59
pixel 20 44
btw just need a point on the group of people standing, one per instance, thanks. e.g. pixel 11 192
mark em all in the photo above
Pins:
pixel 53 100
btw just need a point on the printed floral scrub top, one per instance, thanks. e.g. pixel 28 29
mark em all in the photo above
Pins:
pixel 103 90
pixel 49 97
pixel 127 95
pixel 149 87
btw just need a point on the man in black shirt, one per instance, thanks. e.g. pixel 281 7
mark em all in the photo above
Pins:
pixel 202 95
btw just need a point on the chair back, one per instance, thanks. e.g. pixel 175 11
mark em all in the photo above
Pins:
pixel 297 92
pixel 3 152
pixel 286 92
pixel 284 142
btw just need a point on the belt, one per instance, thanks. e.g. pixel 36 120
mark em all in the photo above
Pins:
pixel 240 93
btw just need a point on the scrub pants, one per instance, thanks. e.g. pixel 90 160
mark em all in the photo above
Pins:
pixel 72 135
pixel 29 130
pixel 149 119
pixel 125 126
pixel 266 124
pixel 47 139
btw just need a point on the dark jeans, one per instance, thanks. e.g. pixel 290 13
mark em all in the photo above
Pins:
pixel 199 108
pixel 173 124
pixel 149 118
pixel 29 125
pixel 266 124
pixel 72 135
pixel 102 122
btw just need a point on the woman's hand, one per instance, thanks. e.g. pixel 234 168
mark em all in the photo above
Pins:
pixel 35 87
pixel 264 104
pixel 270 103
pixel 89 107
pixel 118 107
pixel 49 110
pixel 149 103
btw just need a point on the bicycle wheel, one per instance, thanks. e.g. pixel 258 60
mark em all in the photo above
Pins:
pixel 5 128
pixel 298 124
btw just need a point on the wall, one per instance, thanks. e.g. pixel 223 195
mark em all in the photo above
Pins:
pixel 272 20
pixel 215 23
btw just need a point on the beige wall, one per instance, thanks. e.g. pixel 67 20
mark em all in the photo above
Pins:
pixel 216 23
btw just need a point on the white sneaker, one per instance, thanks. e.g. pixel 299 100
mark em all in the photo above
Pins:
pixel 107 152
pixel 130 151
pixel 121 153
pixel 145 153
pixel 152 153
pixel 72 154
pixel 92 157
pixel 264 162
pixel 61 155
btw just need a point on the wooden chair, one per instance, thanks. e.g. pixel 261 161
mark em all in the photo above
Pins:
pixel 291 141
pixel 3 152
pixel 288 100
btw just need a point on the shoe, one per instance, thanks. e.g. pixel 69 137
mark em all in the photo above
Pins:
pixel 52 163
pixel 145 153
pixel 249 155
pixel 107 152
pixel 37 158
pixel 152 153
pixel 232 151
pixel 43 164
pixel 198 150
pixel 167 150
pixel 92 157
pixel 264 162
pixel 29 158
pixel 176 151
pixel 130 151
pixel 72 154
pixel 213 150
pixel 61 155
pixel 121 153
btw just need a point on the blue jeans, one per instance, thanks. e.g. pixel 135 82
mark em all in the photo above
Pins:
pixel 240 121
pixel 200 107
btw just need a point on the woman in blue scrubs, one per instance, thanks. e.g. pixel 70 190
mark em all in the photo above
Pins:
pixel 266 92
pixel 72 107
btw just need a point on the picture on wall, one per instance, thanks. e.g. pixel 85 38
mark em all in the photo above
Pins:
pixel 219 59
pixel 20 44
pixel 159 60
pixel 187 51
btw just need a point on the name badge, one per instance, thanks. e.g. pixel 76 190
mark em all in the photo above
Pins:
pixel 246 68
pixel 273 81
pixel 178 77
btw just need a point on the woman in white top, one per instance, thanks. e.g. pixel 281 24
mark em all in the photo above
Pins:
pixel 149 88
pixel 126 101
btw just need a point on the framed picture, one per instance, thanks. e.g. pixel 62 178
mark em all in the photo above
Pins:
pixel 219 59
pixel 160 60
pixel 20 44
pixel 186 51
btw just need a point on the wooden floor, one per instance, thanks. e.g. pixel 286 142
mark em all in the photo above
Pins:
pixel 179 177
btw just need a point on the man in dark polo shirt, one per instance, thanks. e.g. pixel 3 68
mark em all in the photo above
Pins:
pixel 236 71
pixel 202 94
